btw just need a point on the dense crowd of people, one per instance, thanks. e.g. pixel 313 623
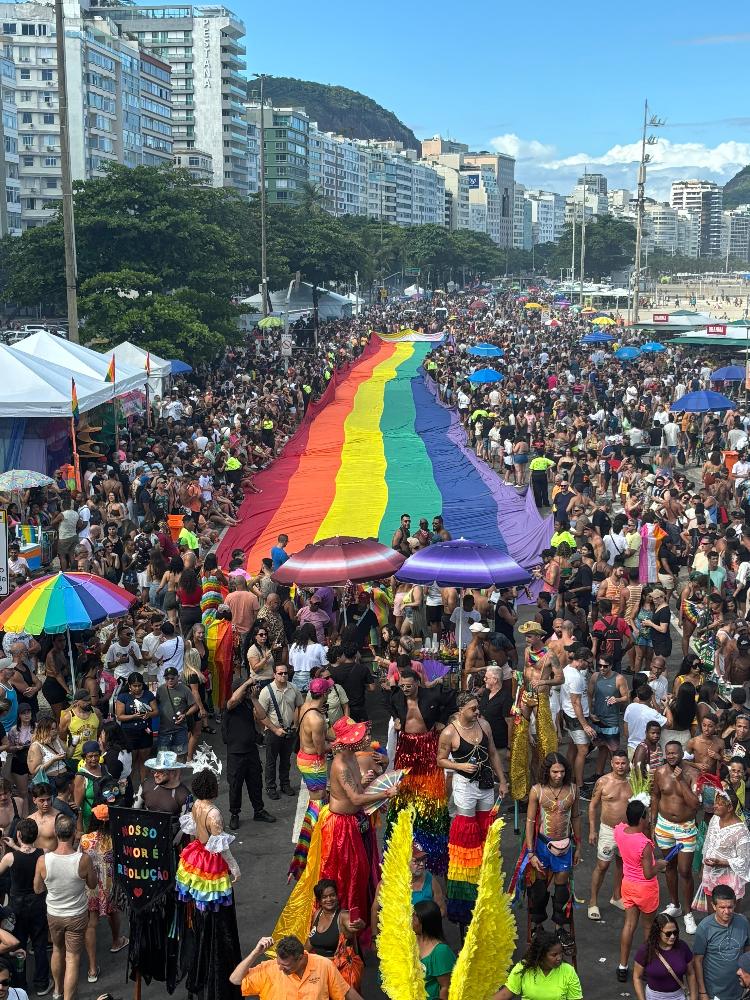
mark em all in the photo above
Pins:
pixel 651 541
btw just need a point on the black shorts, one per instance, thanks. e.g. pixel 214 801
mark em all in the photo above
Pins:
pixel 137 740
pixel 434 614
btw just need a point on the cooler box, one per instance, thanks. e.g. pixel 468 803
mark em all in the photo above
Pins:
pixel 730 457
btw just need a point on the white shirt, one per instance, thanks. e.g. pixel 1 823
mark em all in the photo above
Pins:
pixel 84 515
pixel 659 686
pixel 637 717
pixel 304 658
pixel 123 670
pixel 574 683
pixel 463 399
pixel 671 434
pixel 466 618
pixel 741 470
pixel 171 653
pixel 615 546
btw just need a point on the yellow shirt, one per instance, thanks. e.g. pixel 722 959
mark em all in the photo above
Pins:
pixel 83 729
pixel 320 980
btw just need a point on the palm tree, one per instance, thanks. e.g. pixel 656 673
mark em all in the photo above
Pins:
pixel 312 198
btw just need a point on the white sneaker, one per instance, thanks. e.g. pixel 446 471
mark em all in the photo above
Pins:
pixel 690 925
pixel 672 911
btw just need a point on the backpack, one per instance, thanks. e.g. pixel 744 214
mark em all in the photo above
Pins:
pixel 612 637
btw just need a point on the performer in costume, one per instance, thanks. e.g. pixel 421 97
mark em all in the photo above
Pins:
pixel 343 845
pixel 553 844
pixel 313 766
pixel 417 711
pixel 467 749
pixel 204 879
pixel 533 735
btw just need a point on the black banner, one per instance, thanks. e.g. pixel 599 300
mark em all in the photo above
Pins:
pixel 143 854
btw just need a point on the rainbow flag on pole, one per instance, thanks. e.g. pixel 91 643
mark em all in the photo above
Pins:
pixel 75 412
pixel 147 366
pixel 110 376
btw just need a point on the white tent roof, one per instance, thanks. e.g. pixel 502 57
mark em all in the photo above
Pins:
pixel 413 291
pixel 81 360
pixel 32 387
pixel 329 303
pixel 135 357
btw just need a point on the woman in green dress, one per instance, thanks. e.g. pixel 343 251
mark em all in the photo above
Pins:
pixel 436 957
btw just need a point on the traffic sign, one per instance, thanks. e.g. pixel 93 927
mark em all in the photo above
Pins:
pixel 413 270
pixel 286 345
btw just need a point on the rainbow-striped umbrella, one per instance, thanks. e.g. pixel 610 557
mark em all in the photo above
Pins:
pixel 62 602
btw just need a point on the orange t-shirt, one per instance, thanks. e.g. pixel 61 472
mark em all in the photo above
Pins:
pixel 320 980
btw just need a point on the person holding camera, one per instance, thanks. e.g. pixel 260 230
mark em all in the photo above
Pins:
pixel 240 734
pixel 176 707
pixel 281 703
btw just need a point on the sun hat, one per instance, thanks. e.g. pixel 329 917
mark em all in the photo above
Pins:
pixel 531 628
pixel 348 732
pixel 165 760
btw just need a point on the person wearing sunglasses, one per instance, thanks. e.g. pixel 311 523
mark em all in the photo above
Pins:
pixel 664 964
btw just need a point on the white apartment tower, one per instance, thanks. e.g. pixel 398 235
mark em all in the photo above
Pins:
pixel 706 198
pixel 204 47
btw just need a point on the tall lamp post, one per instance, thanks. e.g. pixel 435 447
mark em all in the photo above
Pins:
pixel 263 235
pixel 647 139
pixel 69 233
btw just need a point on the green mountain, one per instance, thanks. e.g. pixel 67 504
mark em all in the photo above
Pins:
pixel 737 189
pixel 336 109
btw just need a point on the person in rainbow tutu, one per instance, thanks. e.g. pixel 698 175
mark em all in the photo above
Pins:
pixel 205 875
pixel 417 712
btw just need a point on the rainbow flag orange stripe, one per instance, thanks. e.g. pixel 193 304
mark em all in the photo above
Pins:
pixel 110 376
pixel 74 411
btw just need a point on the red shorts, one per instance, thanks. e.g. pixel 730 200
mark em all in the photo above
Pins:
pixel 643 895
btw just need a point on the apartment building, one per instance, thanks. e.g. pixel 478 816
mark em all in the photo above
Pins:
pixel 287 150
pixel 495 189
pixel 10 205
pixel 337 166
pixel 706 198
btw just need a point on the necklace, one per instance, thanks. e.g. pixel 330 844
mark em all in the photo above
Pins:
pixel 476 742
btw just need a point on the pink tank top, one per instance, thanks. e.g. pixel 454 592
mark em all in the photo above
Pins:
pixel 631 847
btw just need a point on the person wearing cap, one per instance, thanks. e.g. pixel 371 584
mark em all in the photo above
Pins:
pixel 176 706
pixel 475 658
pixel 312 765
pixel 343 846
pixel 313 614
pixel 79 724
pixel 531 697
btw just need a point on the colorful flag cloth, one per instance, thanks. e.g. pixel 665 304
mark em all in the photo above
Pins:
pixel 75 413
pixel 220 644
pixel 110 376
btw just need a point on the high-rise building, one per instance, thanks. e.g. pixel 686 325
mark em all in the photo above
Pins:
pixel 688 232
pixel 337 166
pixel 706 198
pixel 119 103
pixel 400 189
pixel 495 188
pixel 662 225
pixel 456 194
pixel 253 157
pixel 547 215
pixel 204 47
pixel 197 163
pixel 438 146
pixel 522 221
pixel 735 235
pixel 286 152
pixel 10 205
pixel 596 183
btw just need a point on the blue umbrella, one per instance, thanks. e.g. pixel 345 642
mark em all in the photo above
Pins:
pixel 180 368
pixel 486 351
pixel 652 347
pixel 627 354
pixel 486 375
pixel 704 401
pixel 597 338
pixel 731 373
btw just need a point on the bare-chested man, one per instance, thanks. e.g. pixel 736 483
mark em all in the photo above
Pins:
pixel 419 714
pixel 674 806
pixel 476 654
pixel 12 808
pixel 556 846
pixel 44 816
pixel 312 764
pixel 611 793
pixel 707 748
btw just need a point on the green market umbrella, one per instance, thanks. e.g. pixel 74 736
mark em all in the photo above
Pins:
pixel 270 322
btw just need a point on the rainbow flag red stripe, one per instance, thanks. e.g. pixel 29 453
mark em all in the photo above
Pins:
pixel 110 376
pixel 75 412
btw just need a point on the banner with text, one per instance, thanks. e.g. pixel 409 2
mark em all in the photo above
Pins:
pixel 143 854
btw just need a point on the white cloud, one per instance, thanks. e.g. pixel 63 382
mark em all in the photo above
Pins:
pixel 669 161
pixel 521 149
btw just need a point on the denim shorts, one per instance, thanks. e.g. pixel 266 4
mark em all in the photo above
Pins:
pixel 177 740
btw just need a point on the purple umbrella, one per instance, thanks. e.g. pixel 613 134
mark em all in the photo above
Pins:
pixel 461 563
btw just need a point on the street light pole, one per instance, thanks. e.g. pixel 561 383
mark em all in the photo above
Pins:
pixel 646 140
pixel 69 232
pixel 263 237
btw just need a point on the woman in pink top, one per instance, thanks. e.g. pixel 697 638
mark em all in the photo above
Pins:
pixel 640 886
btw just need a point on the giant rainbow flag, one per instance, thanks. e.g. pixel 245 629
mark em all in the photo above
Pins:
pixel 380 444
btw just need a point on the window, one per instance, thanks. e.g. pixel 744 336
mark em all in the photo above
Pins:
pixel 25 74
pixel 46 75
pixel 50 161
pixel 24 53
pixel 28 161
pixel 48 119
pixel 50 183
pixel 9 28
pixel 27 29
pixel 26 118
pixel 28 141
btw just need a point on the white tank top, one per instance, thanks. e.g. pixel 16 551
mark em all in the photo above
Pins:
pixel 66 890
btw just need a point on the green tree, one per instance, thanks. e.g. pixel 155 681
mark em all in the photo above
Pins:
pixel 610 246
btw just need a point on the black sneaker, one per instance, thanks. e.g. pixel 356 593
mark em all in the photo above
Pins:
pixel 288 790
pixel 234 822
pixel 263 816
pixel 563 936
pixel 272 793
pixel 622 974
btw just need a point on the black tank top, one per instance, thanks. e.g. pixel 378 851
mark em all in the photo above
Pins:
pixel 472 753
pixel 22 872
pixel 325 942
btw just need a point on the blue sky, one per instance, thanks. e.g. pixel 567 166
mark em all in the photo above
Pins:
pixel 554 84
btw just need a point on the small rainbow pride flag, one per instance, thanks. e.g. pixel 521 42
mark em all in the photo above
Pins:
pixel 75 412
pixel 110 376
pixel 147 366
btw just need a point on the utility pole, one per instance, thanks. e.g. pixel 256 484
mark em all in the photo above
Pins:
pixel 69 230
pixel 583 235
pixel 263 235
pixel 646 140
pixel 573 256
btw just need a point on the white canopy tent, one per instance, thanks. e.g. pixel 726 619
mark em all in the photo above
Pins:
pixel 33 387
pixel 135 357
pixel 82 361
pixel 331 305
pixel 413 291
